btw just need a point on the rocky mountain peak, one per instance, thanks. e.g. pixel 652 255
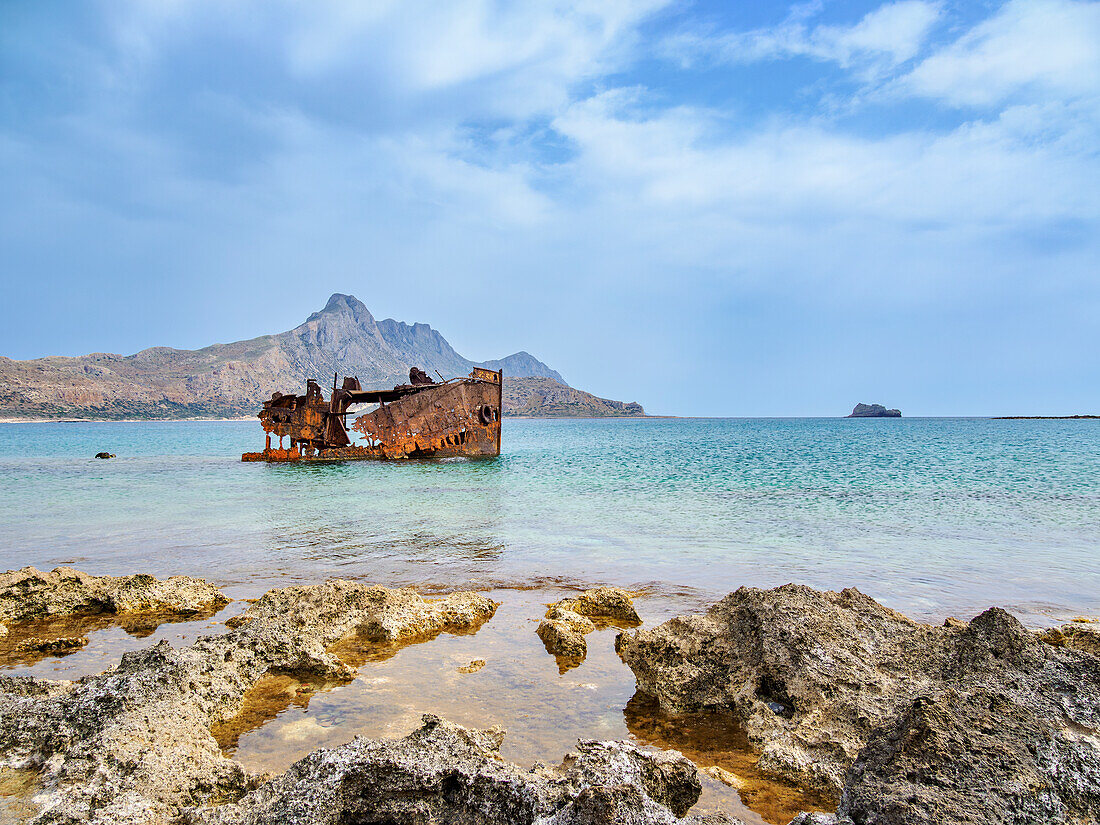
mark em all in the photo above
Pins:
pixel 348 306
pixel 342 329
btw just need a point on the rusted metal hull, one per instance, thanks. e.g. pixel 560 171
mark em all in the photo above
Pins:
pixel 460 417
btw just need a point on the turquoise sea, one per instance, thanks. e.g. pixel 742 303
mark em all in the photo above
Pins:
pixel 934 517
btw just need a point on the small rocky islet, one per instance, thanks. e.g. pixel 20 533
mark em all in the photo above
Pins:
pixel 862 410
pixel 969 722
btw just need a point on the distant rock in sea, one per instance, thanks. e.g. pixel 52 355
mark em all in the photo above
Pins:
pixel 873 411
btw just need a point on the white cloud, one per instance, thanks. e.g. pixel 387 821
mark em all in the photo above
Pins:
pixel 656 187
pixel 644 191
pixel 977 174
pixel 1044 48
pixel 896 30
pixel 438 46
pixel 523 57
pixel 884 37
pixel 814 213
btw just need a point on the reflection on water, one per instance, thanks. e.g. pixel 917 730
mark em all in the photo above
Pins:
pixel 267 699
pixel 276 692
pixel 518 687
pixel 17 786
pixel 108 637
pixel 714 739
pixel 35 640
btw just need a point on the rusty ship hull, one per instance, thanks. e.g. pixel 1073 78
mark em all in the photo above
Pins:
pixel 422 419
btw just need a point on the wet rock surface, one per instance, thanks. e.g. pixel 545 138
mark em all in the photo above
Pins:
pixel 611 604
pixel 568 621
pixel 134 744
pixel 714 740
pixel 444 773
pixel 1073 636
pixel 979 722
pixel 563 631
pixel 30 594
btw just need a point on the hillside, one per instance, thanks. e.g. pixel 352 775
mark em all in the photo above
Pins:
pixel 231 380
pixel 545 397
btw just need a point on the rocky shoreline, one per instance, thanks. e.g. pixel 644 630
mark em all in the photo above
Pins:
pixel 971 722
pixel 976 722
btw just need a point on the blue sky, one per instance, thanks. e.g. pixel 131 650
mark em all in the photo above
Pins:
pixel 712 208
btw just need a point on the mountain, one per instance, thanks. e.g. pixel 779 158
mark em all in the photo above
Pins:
pixel 231 380
pixel 524 364
pixel 545 397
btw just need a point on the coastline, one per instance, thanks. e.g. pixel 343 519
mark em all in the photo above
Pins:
pixel 73 420
pixel 114 420
pixel 252 418
pixel 247 689
pixel 1044 417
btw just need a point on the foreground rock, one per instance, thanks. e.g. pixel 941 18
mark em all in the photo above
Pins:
pixel 568 621
pixel 29 594
pixel 613 605
pixel 977 723
pixel 563 632
pixel 133 745
pixel 444 773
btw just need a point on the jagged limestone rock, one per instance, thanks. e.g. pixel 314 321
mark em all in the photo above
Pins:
pixel 563 633
pixel 611 603
pixel 444 774
pixel 901 718
pixel 1074 636
pixel 30 594
pixel 134 744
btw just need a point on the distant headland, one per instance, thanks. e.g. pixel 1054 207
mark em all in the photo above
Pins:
pixel 873 411
pixel 1041 417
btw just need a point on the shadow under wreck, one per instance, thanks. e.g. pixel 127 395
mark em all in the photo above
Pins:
pixel 421 419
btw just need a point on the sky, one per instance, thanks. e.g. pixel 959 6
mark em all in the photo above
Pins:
pixel 713 208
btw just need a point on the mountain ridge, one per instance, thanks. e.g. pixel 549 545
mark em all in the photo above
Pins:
pixel 231 380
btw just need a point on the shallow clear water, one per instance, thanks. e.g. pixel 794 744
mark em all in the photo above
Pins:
pixel 934 517
pixel 930 516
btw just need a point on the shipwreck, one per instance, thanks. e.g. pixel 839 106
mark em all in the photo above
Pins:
pixel 420 419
